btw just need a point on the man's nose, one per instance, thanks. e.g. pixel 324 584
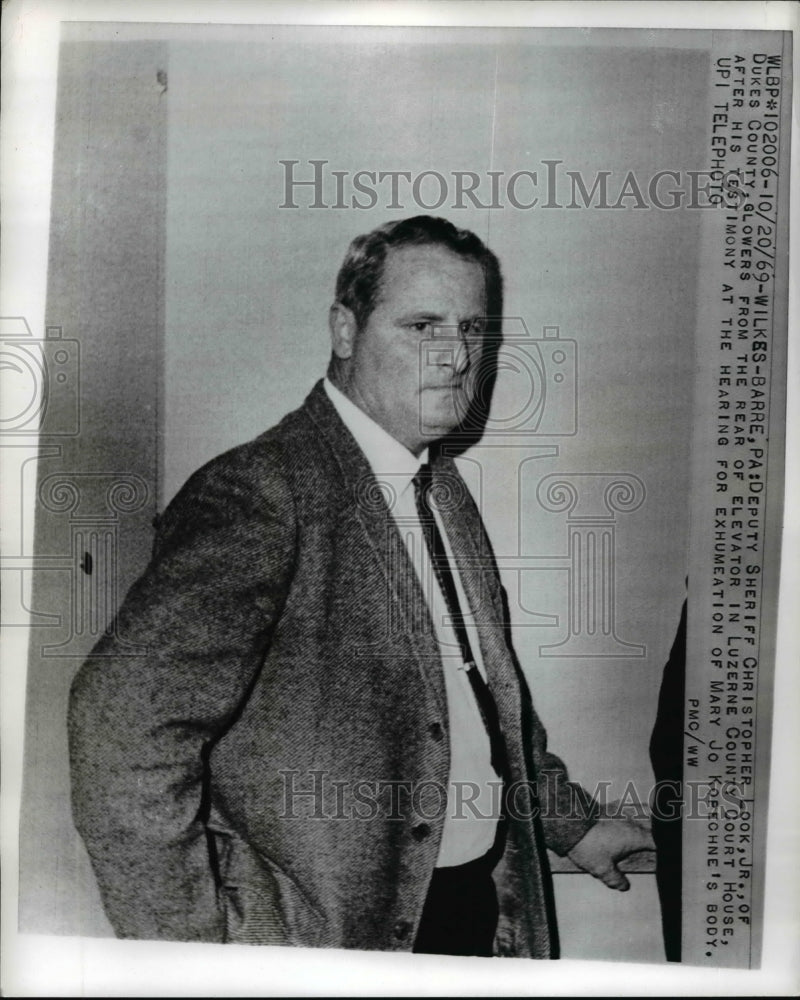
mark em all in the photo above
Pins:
pixel 461 356
pixel 454 351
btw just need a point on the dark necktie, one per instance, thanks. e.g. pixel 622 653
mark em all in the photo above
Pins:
pixel 444 574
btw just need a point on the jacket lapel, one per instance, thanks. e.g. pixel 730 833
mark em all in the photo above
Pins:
pixel 363 495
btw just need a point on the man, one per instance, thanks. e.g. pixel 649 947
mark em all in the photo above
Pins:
pixel 329 740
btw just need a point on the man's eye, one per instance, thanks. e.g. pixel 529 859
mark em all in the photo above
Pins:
pixel 421 326
pixel 471 328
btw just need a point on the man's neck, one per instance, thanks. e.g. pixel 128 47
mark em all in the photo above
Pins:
pixel 348 390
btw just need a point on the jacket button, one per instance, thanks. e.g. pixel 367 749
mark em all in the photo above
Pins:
pixel 401 929
pixel 420 831
pixel 436 731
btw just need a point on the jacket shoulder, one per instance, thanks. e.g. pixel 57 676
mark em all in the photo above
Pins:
pixel 254 479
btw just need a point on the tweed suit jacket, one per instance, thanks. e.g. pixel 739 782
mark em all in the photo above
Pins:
pixel 246 742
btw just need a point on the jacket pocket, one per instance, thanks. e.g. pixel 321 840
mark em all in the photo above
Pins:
pixel 262 904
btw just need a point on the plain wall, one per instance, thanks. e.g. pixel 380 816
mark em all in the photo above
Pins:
pixel 98 467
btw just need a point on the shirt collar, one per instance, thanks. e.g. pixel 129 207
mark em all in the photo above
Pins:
pixel 386 456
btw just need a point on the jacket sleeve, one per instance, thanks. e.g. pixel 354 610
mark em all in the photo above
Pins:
pixel 566 809
pixel 163 684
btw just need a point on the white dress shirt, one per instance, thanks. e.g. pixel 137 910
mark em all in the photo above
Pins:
pixel 473 790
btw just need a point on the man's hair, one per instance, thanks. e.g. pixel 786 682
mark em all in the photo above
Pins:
pixel 360 278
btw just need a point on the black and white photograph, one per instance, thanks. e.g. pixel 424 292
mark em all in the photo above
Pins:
pixel 394 452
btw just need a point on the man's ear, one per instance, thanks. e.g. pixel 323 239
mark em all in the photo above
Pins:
pixel 343 326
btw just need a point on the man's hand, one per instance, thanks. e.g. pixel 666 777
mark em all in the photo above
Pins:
pixel 608 841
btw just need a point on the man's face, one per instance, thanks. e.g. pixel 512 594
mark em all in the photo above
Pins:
pixel 411 367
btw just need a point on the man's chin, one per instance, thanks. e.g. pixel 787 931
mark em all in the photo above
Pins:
pixel 434 428
pixel 439 421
